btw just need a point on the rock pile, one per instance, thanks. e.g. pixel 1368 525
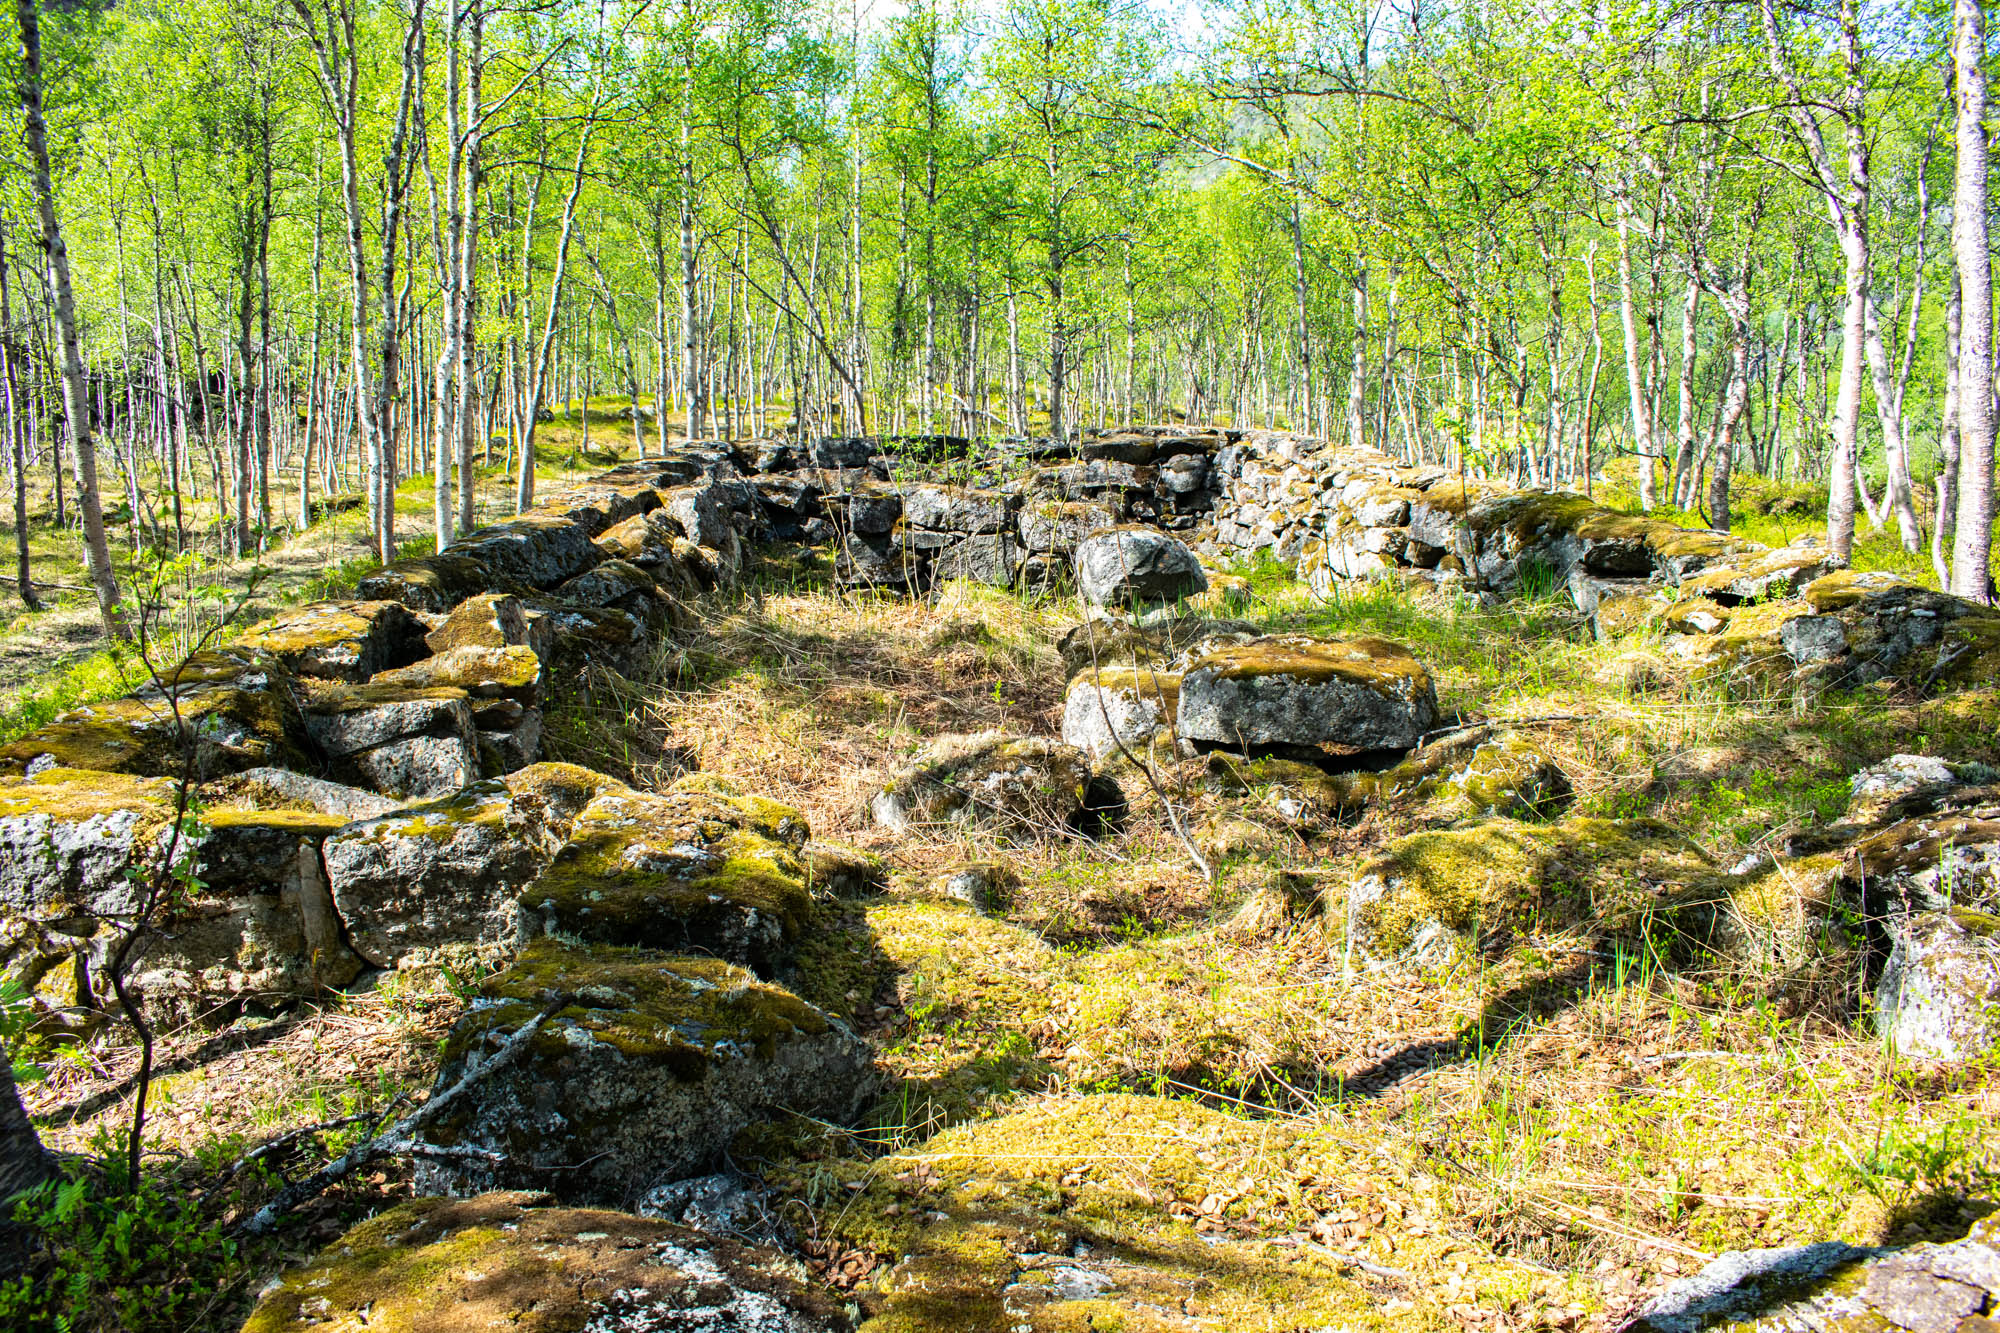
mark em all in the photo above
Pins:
pixel 373 798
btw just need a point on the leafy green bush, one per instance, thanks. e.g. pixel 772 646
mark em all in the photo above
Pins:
pixel 104 1258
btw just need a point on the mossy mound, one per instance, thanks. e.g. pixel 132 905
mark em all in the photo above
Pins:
pixel 1497 877
pixel 506 1260
pixel 1143 1213
pixel 1027 784
pixel 838 870
pixel 1479 772
pixel 650 1066
pixel 680 870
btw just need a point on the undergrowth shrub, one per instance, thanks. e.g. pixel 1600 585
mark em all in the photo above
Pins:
pixel 143 1261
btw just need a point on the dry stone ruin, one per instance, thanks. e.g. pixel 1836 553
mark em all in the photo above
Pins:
pixel 373 798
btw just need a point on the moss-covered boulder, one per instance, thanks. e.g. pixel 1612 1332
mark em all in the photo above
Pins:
pixel 513 672
pixel 431 583
pixel 1293 690
pixel 537 549
pixel 67 837
pixel 509 1260
pixel 249 919
pixel 442 879
pixel 618 583
pixel 1755 575
pixel 1939 994
pixel 403 741
pixel 645 1073
pixel 702 870
pixel 1167 645
pixel 489 620
pixel 1028 784
pixel 1119 706
pixel 348 641
pixel 282 789
pixel 1497 878
pixel 1136 566
pixel 236 709
pixel 257 930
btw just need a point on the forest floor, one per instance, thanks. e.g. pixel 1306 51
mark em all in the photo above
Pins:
pixel 1532 1142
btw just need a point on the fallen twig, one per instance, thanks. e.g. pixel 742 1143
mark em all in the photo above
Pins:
pixel 290 1137
pixel 398 1140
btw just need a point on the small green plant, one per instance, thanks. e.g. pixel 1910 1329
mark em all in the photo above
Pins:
pixel 109 1257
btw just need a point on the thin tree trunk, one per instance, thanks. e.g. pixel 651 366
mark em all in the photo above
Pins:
pixel 16 424
pixel 1972 541
pixel 76 393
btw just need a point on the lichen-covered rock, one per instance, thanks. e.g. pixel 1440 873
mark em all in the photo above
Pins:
pixel 605 501
pixel 1167 645
pixel 865 562
pixel 535 550
pixel 956 509
pixel 1478 772
pixel 1028 783
pixel 991 558
pixel 431 583
pixel 236 709
pixel 1935 862
pixel 1939 995
pixel 1875 789
pixel 409 742
pixel 1136 566
pixel 645 1075
pixel 618 583
pixel 1761 574
pixel 703 513
pixel 282 789
pixel 703 870
pixel 258 928
pixel 508 1260
pixel 986 886
pixel 445 877
pixel 579 638
pixel 1058 525
pixel 841 871
pixel 1935 1287
pixel 1810 639
pixel 481 672
pixel 1292 690
pixel 1487 880
pixel 67 836
pixel 346 641
pixel 1119 706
